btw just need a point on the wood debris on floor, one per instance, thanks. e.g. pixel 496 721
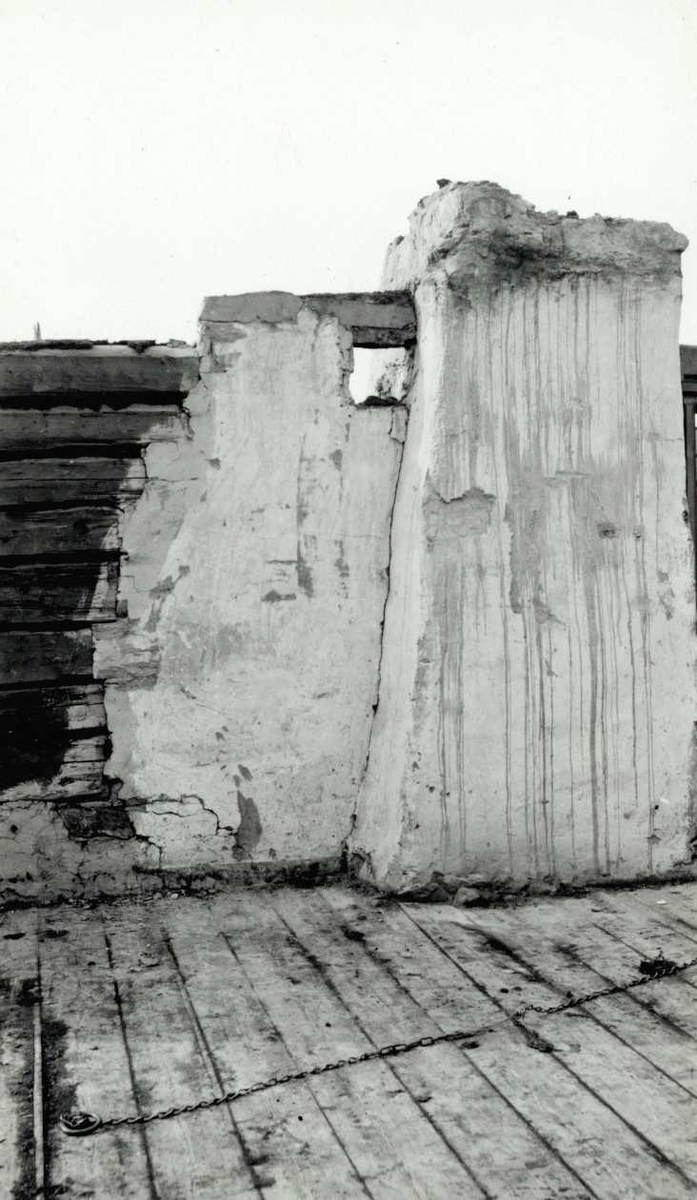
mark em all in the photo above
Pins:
pixel 125 1009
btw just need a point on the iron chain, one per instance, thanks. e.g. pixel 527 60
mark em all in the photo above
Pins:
pixel 81 1124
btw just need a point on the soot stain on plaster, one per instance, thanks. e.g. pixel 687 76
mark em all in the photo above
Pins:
pixel 160 593
pixel 305 580
pixel 249 829
pixel 274 597
pixel 340 561
pixel 302 509
pixel 103 819
pixel 474 511
pixel 468 515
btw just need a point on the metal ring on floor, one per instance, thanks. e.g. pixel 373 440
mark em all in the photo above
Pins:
pixel 79 1124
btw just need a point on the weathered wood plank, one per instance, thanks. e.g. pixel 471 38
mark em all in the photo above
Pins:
pixel 390 1142
pixel 688 360
pixel 24 430
pixel 616 947
pixel 43 656
pixel 653 933
pixel 246 1046
pixel 18 965
pixel 287 1023
pixel 45 531
pixel 172 1065
pixel 87 1064
pixel 544 938
pixel 76 706
pixel 376 319
pixel 98 369
pixel 690 461
pixel 604 1156
pixel 54 769
pixel 51 480
pixel 59 592
pixel 678 901
pixel 656 1108
pixel 471 1118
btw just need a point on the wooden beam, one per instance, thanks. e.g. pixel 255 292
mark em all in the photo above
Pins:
pixel 376 319
pixel 26 429
pixel 689 410
pixel 47 531
pixel 64 592
pixel 688 360
pixel 44 656
pixel 76 706
pixel 52 480
pixel 103 369
pixel 62 772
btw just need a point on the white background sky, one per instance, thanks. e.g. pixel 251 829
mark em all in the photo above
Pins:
pixel 155 151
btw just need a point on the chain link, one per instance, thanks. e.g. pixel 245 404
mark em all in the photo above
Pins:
pixel 81 1124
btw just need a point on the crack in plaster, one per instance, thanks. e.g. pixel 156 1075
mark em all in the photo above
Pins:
pixel 404 428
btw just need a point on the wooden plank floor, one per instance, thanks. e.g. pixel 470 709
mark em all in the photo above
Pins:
pixel 129 1008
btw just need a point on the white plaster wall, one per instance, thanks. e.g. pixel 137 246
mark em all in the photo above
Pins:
pixel 536 706
pixel 241 687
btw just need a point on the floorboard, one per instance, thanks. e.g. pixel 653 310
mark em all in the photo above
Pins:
pixel 309 1030
pixel 657 1110
pixel 86 1063
pixel 20 1173
pixel 375 973
pixel 290 1140
pixel 123 1009
pixel 170 1066
pixel 552 953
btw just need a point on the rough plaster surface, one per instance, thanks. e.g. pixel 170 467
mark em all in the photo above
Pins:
pixel 240 688
pixel 536 702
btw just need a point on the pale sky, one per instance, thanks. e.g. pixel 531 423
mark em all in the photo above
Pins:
pixel 156 151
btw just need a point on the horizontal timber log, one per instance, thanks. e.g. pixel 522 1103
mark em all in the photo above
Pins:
pixel 53 480
pixel 688 360
pixel 58 530
pixel 376 319
pixel 97 369
pixel 72 591
pixel 54 771
pixel 44 656
pixel 26 429
pixel 74 707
